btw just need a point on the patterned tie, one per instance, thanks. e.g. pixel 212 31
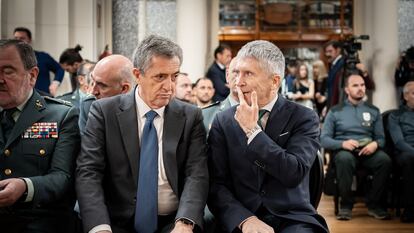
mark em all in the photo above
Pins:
pixel 146 209
pixel 7 122
pixel 260 121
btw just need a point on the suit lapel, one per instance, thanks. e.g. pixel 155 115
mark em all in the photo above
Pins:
pixel 173 127
pixel 128 125
pixel 279 117
pixel 31 113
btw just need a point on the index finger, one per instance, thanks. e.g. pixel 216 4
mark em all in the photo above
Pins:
pixel 253 99
pixel 240 95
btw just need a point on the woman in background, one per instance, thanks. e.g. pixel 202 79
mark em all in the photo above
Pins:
pixel 320 76
pixel 304 88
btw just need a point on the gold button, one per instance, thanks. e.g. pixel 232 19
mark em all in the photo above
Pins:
pixel 7 152
pixel 8 172
pixel 42 152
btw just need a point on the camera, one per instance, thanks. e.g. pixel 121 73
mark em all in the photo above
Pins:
pixel 351 46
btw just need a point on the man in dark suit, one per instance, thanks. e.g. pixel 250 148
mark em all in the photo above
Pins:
pixel 260 164
pixel 217 72
pixel 143 164
pixel 39 142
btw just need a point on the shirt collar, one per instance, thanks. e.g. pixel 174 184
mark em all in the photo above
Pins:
pixel 270 105
pixel 143 108
pixel 232 100
pixel 221 65
pixel 336 60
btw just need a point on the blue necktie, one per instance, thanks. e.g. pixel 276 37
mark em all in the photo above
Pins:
pixel 146 209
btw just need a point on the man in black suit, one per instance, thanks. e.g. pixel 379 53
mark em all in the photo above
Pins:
pixel 217 72
pixel 262 151
pixel 39 142
pixel 125 181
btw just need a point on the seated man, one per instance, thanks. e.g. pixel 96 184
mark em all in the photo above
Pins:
pixel 402 133
pixel 183 87
pixel 354 132
pixel 204 92
pixel 260 163
pixel 39 142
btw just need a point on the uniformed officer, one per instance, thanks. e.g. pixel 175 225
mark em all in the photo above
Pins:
pixel 39 142
pixel 353 130
pixel 83 80
pixel 232 99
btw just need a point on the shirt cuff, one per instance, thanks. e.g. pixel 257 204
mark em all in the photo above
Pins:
pixel 178 219
pixel 30 189
pixel 253 135
pixel 102 227
pixel 56 81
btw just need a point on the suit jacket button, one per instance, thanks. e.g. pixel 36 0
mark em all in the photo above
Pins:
pixel 42 152
pixel 8 172
pixel 262 193
pixel 7 152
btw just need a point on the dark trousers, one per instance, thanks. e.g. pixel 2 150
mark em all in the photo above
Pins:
pixel 165 225
pixel 17 223
pixel 406 163
pixel 378 163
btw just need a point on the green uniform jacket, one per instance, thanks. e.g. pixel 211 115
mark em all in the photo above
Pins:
pixel 43 147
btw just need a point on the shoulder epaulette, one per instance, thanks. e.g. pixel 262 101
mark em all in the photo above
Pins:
pixel 89 97
pixel 211 105
pixel 60 101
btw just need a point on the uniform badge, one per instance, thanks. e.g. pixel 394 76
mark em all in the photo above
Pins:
pixel 366 116
pixel 41 130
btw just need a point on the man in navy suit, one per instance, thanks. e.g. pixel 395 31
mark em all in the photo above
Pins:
pixel 217 72
pixel 260 165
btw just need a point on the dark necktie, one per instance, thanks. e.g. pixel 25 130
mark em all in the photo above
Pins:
pixel 146 209
pixel 7 122
pixel 260 121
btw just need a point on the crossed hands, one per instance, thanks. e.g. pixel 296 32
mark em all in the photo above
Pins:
pixel 247 115
pixel 352 144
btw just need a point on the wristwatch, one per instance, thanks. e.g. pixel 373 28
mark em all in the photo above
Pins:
pixel 252 131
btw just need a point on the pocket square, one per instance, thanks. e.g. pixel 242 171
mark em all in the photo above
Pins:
pixel 283 134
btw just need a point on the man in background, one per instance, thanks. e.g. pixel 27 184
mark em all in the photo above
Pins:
pixel 210 112
pixel 204 92
pixel 183 87
pixel 217 74
pixel 353 131
pixel 401 128
pixel 45 63
pixel 111 76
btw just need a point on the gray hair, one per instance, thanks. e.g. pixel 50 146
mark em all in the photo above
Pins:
pixel 268 55
pixel 152 46
pixel 25 51
pixel 406 86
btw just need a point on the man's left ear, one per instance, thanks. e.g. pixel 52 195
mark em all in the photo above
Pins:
pixel 276 81
pixel 125 88
pixel 33 73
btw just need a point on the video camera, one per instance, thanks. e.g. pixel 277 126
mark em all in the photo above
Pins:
pixel 351 46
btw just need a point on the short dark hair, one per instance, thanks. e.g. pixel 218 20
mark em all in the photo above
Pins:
pixel 220 49
pixel 336 44
pixel 23 29
pixel 351 72
pixel 71 55
pixel 152 46
pixel 25 51
pixel 202 78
